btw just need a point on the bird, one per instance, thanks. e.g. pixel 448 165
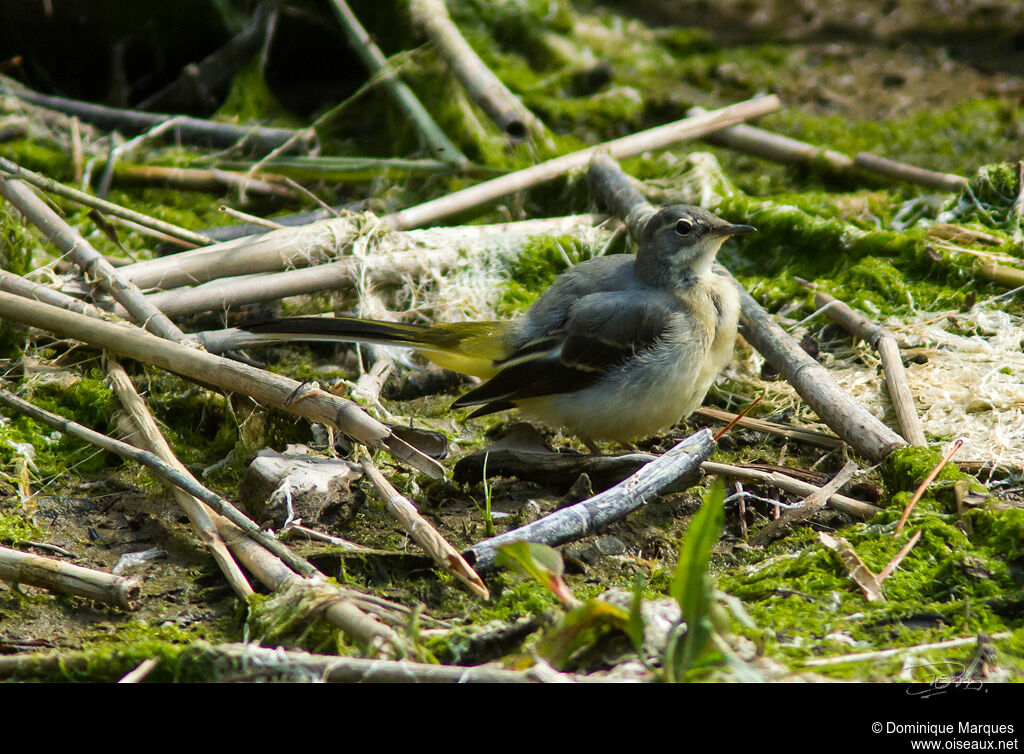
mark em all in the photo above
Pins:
pixel 616 349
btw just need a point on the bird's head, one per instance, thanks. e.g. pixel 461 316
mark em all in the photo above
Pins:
pixel 679 243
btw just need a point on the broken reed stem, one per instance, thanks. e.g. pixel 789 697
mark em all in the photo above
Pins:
pixel 1000 274
pixel 909 173
pixel 343 609
pixel 19 286
pixel 269 252
pixel 433 137
pixel 205 368
pixel 185 130
pixel 151 438
pixel 425 535
pixel 65 578
pixel 333 669
pixel 163 470
pixel 94 267
pixel 808 436
pixel 924 485
pixel 844 416
pixel 581 519
pixel 859 573
pixel 842 503
pixel 109 208
pixel 213 180
pixel 628 146
pixel 482 86
pixel 776 147
pixel 892 363
pixel 808 507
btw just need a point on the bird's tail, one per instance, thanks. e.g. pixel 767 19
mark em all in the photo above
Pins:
pixel 466 347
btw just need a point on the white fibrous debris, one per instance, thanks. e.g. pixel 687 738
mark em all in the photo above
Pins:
pixel 971 387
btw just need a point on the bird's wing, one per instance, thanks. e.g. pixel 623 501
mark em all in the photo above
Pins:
pixel 600 332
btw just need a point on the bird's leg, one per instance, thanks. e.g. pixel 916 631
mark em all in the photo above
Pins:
pixel 629 447
pixel 591 446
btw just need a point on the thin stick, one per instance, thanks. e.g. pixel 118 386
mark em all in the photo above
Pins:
pixel 841 503
pixel 885 654
pixel 578 520
pixel 19 286
pixel 65 578
pixel 139 674
pixel 808 507
pixel 893 564
pixel 736 420
pixel 357 169
pixel 483 87
pixel 185 130
pixel 847 418
pixel 909 173
pixel 776 147
pixel 163 470
pixel 270 252
pixel 808 436
pixel 109 208
pixel 859 572
pixel 246 217
pixel 424 533
pixel 205 368
pixel 628 146
pixel 892 363
pixel 924 485
pixel 91 262
pixel 213 180
pixel 433 137
pixel 198 513
pixel 231 292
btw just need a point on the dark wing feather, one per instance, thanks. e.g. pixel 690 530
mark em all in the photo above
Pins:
pixel 601 332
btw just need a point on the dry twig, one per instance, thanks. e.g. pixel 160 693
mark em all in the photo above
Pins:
pixel 425 535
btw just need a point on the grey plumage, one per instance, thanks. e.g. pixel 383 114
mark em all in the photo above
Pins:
pixel 617 348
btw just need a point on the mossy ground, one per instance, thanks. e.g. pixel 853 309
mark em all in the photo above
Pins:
pixel 591 71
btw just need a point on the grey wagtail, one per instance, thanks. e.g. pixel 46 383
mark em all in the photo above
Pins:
pixel 617 348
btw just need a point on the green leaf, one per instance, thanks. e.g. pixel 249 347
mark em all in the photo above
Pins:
pixel 539 562
pixel 691 585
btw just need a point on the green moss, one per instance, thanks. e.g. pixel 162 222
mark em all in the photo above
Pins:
pixel 16 527
pixel 541 260
pixel 906 468
pixel 250 99
pixel 989 198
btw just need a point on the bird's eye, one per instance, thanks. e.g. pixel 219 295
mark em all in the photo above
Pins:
pixel 683 227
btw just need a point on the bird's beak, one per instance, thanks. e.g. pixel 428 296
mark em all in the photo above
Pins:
pixel 734 230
